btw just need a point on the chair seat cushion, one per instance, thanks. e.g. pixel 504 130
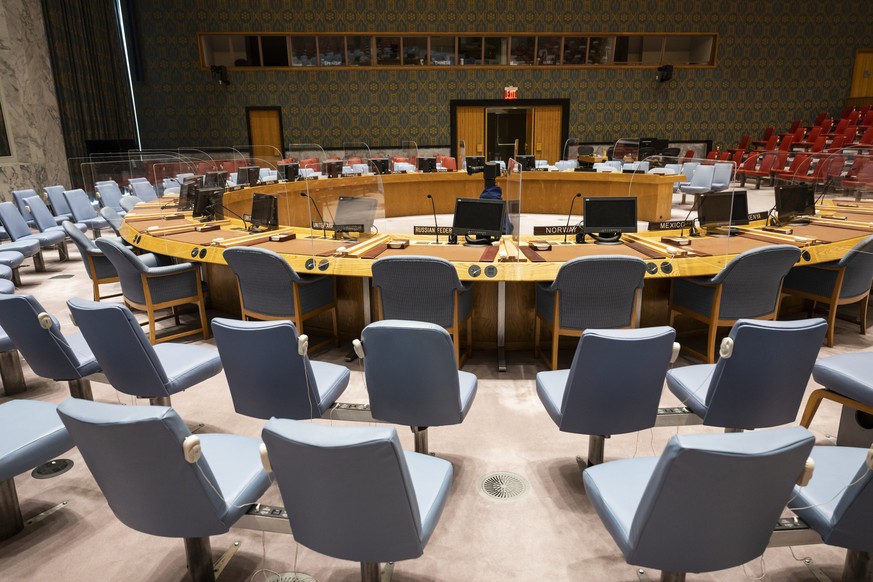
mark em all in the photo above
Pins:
pixel 87 362
pixel 690 384
pixel 618 487
pixel 187 364
pixel 12 259
pixel 7 287
pixel 467 384
pixel 26 246
pixel 5 343
pixel 550 388
pixel 31 433
pixel 431 478
pixel 48 238
pixel 235 462
pixel 848 374
pixel 331 380
pixel 5 272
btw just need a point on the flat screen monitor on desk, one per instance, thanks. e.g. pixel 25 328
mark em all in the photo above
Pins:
pixel 721 210
pixel 606 218
pixel 288 172
pixel 247 175
pixel 209 204
pixel 474 161
pixel 381 165
pixel 212 179
pixel 527 162
pixel 265 212
pixel 187 193
pixel 355 214
pixel 795 202
pixel 482 219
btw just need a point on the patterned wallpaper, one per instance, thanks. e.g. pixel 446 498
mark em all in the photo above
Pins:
pixel 774 64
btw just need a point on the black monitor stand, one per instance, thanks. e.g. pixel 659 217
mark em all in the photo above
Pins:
pixel 723 231
pixel 478 240
pixel 600 238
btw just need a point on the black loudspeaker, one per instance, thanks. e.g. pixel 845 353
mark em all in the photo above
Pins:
pixel 665 73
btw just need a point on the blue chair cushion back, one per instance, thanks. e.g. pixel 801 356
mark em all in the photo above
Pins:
pixel 15 225
pixel 58 200
pixel 859 269
pixel 19 196
pixel 128 266
pixel 417 288
pixel 751 282
pixel 265 280
pixel 79 204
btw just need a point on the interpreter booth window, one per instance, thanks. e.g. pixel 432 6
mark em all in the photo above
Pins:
pixel 638 49
pixel 442 50
pixel 231 50
pixel 359 49
pixel 332 51
pixel 689 50
pixel 575 48
pixel 388 50
pixel 521 51
pixel 496 50
pixel 275 51
pixel 600 50
pixel 303 51
pixel 470 50
pixel 415 50
pixel 549 50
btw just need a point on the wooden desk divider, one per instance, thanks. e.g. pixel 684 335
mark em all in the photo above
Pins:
pixel 254 239
pixel 181 228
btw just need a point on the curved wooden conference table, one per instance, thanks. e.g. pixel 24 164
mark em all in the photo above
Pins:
pixel 507 271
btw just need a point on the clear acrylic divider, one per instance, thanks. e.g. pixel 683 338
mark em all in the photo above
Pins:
pixel 308 156
pixel 408 152
pixel 512 196
pixel 356 153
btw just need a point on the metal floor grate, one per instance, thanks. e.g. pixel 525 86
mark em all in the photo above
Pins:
pixel 503 486
pixel 52 469
pixel 291 577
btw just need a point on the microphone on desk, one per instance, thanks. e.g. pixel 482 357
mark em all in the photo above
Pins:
pixel 691 230
pixel 572 202
pixel 436 228
pixel 314 205
pixel 224 208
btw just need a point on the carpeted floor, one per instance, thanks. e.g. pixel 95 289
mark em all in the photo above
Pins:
pixel 551 533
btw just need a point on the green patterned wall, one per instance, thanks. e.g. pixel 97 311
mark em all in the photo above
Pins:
pixel 776 61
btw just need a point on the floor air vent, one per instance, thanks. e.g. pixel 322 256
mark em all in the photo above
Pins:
pixel 503 486
pixel 291 577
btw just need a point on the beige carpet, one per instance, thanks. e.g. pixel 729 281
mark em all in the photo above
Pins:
pixel 552 533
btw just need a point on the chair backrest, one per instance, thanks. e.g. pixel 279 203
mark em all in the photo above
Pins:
pixel 688 169
pixel 113 218
pixel 86 246
pixel 145 191
pixel 763 381
pixel 266 375
pixel 46 349
pixel 264 279
pixel 58 200
pixel 15 225
pixel 42 216
pixel 377 520
pixel 109 195
pixel 417 288
pixel 121 347
pixel 150 487
pixel 750 162
pixel 859 269
pixel 799 165
pixel 771 142
pixel 411 373
pixel 606 395
pixel 850 525
pixel 128 266
pixel 80 205
pixel 129 202
pixel 721 175
pixel 19 196
pixel 679 528
pixel 752 281
pixel 598 291
pixel 702 177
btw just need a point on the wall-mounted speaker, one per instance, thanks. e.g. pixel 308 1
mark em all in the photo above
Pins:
pixel 219 73
pixel 665 73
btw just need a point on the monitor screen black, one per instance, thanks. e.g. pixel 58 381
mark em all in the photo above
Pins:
pixel 474 161
pixel 288 172
pixel 247 175
pixel 381 165
pixel 332 168
pixel 794 200
pixel 527 162
pixel 187 193
pixel 209 203
pixel 355 214
pixel 426 164
pixel 609 216
pixel 265 211
pixel 212 179
pixel 478 217
pixel 723 209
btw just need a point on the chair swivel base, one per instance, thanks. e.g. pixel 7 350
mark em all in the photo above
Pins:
pixel 11 521
pixel 198 552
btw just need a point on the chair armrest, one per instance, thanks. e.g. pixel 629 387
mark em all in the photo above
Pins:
pixel 169 270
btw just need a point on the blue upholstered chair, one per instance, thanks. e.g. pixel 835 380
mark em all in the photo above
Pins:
pixel 109 195
pixel 144 191
pixel 48 352
pixel 82 211
pixel 613 386
pixel 26 247
pixel 17 229
pixel 59 204
pixel 387 516
pixel 131 364
pixel 97 266
pixel 412 376
pixel 152 288
pixel 10 366
pixel 595 292
pixel 721 176
pixel 838 502
pixel 747 287
pixel 269 288
pixel 425 289
pixel 112 218
pixel 43 218
pixel 20 197
pixel 847 380
pixel 128 202
pixel 709 502
pixel 267 374
pixel 836 283
pixel 30 434
pixel 137 455
pixel 760 378
pixel 700 182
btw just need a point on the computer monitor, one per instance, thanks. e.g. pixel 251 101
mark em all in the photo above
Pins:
pixel 247 175
pixel 381 165
pixel 478 217
pixel 426 165
pixel 606 218
pixel 474 161
pixel 794 201
pixel 355 214
pixel 187 193
pixel 209 203
pixel 332 168
pixel 265 212
pixel 527 162
pixel 723 209
pixel 212 179
pixel 288 172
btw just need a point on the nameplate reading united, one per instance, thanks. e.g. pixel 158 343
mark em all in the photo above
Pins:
pixel 671 225
pixel 425 230
pixel 547 230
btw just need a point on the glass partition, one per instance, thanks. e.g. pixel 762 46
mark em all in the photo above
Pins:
pixel 512 196
pixel 309 156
